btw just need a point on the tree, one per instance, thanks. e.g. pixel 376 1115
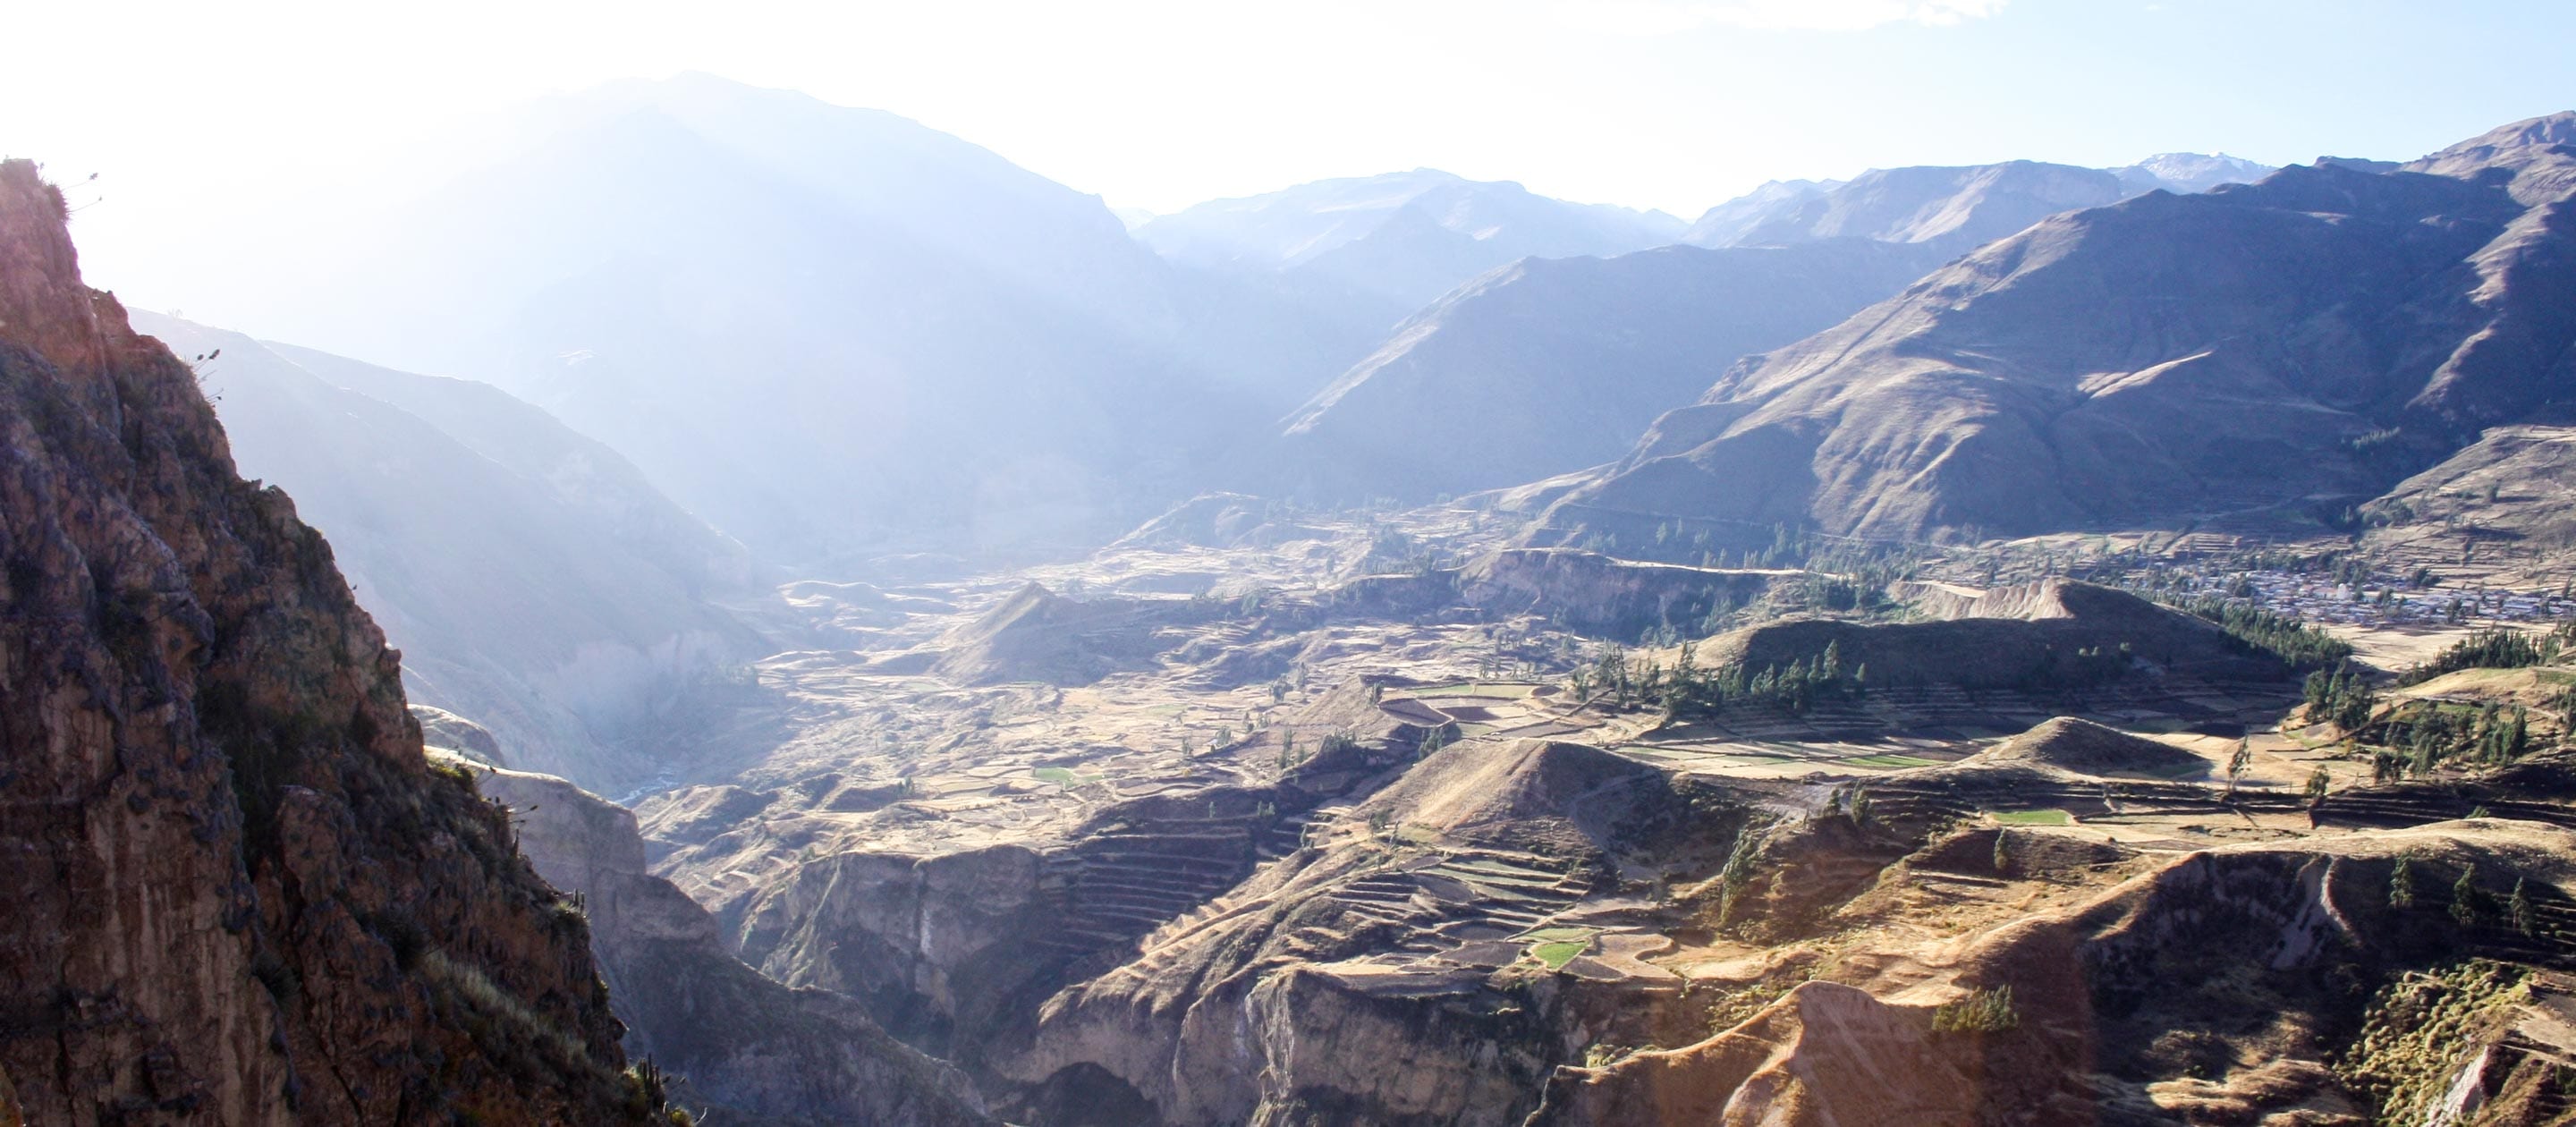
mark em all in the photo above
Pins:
pixel 1431 744
pixel 2469 903
pixel 2401 882
pixel 2517 908
pixel 2237 763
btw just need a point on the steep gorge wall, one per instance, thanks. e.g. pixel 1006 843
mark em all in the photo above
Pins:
pixel 760 1051
pixel 238 893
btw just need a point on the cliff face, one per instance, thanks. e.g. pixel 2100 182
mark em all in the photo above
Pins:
pixel 762 1052
pixel 238 893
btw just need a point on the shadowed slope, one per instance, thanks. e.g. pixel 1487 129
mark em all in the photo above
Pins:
pixel 530 576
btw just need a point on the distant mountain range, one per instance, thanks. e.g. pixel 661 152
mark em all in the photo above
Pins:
pixel 1952 208
pixel 2290 348
pixel 831 332
pixel 1531 371
pixel 2185 173
pixel 846 339
pixel 1406 237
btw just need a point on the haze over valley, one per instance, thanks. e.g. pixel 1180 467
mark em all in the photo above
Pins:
pixel 684 602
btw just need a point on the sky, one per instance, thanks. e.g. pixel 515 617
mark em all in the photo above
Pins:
pixel 191 113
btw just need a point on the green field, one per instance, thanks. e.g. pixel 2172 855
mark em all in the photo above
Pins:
pixel 2034 817
pixel 1891 762
pixel 1556 955
pixel 1473 689
pixel 1061 776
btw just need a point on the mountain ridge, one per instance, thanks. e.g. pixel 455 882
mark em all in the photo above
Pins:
pixel 2057 379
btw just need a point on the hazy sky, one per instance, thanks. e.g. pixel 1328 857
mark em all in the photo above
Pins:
pixel 191 110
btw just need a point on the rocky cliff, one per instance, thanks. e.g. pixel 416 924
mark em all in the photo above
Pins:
pixel 238 892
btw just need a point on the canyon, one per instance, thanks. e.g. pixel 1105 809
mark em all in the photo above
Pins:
pixel 1997 644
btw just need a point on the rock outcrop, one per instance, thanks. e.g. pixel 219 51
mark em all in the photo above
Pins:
pixel 238 893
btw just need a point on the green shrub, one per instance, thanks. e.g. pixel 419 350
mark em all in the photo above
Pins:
pixel 1982 1011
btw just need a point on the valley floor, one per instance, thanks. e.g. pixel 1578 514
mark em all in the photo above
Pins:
pixel 1279 826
